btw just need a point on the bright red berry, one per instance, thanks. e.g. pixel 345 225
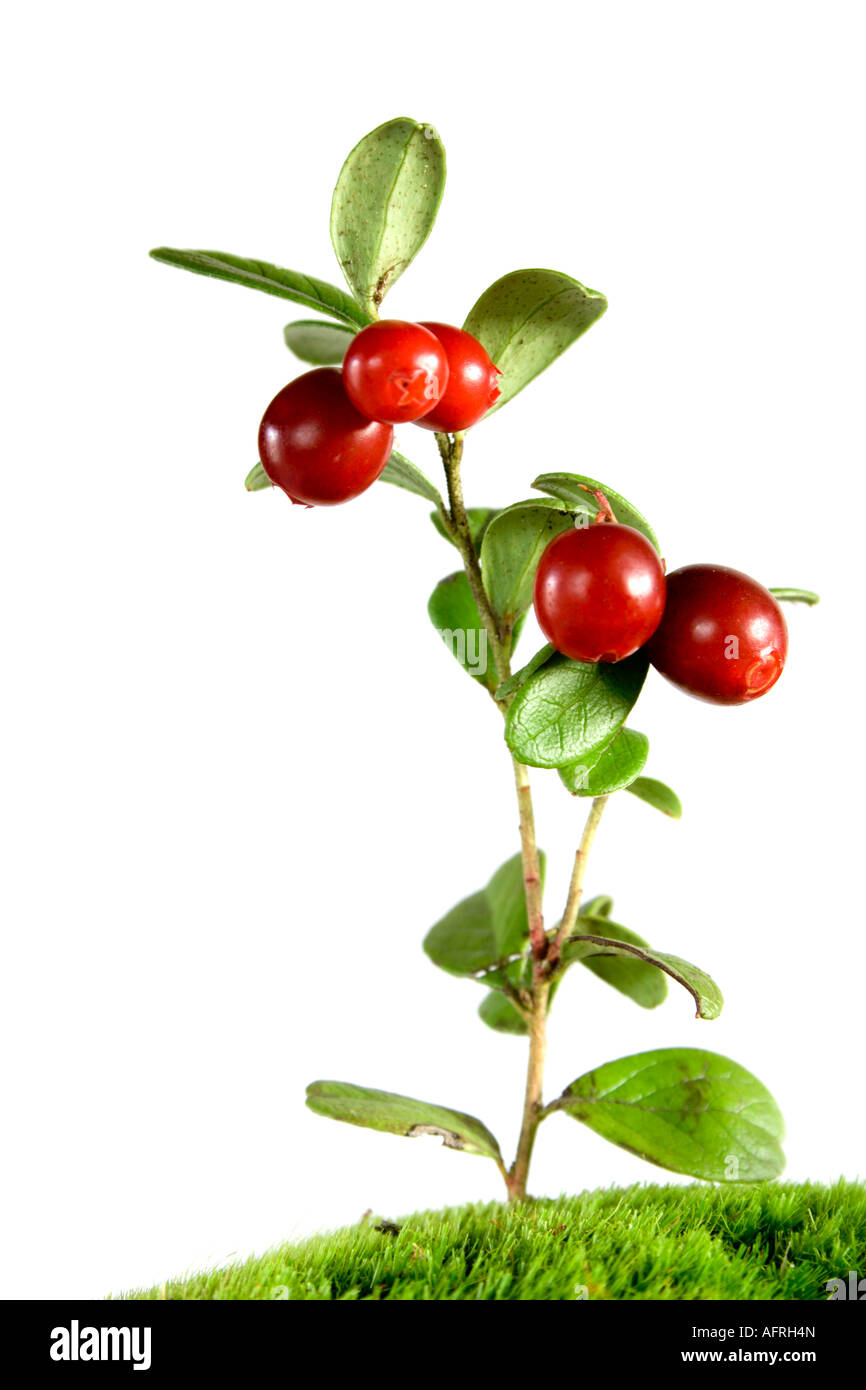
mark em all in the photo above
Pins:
pixel 472 382
pixel 395 371
pixel 316 446
pixel 599 592
pixel 723 636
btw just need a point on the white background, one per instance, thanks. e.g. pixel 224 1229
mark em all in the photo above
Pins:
pixel 241 776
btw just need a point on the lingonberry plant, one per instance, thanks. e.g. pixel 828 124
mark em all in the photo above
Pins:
pixel 592 565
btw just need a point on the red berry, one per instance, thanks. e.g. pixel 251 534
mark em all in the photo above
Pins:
pixel 599 592
pixel 472 382
pixel 395 371
pixel 723 636
pixel 315 445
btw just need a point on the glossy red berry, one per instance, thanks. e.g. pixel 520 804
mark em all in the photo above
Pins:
pixel 395 371
pixel 316 446
pixel 723 636
pixel 472 382
pixel 599 592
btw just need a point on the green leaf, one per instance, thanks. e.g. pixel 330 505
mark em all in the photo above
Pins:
pixel 454 614
pixel 479 519
pixel 567 488
pixel 385 204
pixel 395 1114
pixel 257 479
pixel 271 279
pixel 569 709
pixel 500 1014
pixel 401 473
pixel 704 990
pixel 321 344
pixel 686 1110
pixel 600 906
pixel 644 984
pixel 796 596
pixel 656 794
pixel 522 676
pixel 527 319
pixel 486 929
pixel 513 545
pixel 622 760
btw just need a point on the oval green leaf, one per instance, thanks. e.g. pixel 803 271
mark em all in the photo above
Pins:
pixel 703 989
pixel 500 1014
pixel 321 344
pixel 454 614
pixel 486 929
pixel 479 519
pixel 599 906
pixel 569 709
pixel 400 472
pixel 577 492
pixel 257 479
pixel 270 279
pixel 385 204
pixel 395 1114
pixel 656 794
pixel 520 677
pixel 514 542
pixel 686 1110
pixel 644 984
pixel 620 763
pixel 527 319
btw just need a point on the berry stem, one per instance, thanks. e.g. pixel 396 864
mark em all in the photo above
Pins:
pixel 575 890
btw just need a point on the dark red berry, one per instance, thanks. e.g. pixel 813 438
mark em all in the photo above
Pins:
pixel 472 382
pixel 723 636
pixel 395 371
pixel 599 592
pixel 316 446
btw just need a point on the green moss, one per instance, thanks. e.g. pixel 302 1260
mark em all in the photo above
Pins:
pixel 774 1241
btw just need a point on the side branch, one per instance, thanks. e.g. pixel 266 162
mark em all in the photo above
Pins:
pixel 531 863
pixel 575 891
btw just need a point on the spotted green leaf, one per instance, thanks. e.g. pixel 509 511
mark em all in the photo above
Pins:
pixel 385 204
pixel 683 1109
pixel 527 319
pixel 396 1114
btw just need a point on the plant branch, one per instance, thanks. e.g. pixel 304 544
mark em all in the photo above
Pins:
pixel 532 1102
pixel 534 1009
pixel 451 450
pixel 531 863
pixel 575 890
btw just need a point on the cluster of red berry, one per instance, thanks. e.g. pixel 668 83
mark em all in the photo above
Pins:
pixel 326 436
pixel 601 593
